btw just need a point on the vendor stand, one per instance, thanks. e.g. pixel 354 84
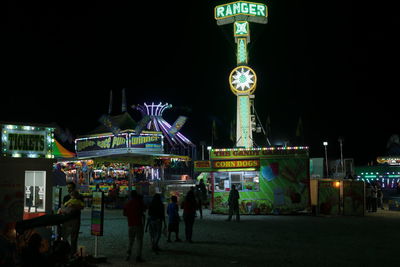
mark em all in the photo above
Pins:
pixel 273 180
pixel 121 162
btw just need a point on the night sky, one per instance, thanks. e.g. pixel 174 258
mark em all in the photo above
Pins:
pixel 332 63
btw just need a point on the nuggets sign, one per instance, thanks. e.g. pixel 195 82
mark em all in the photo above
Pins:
pixel 227 164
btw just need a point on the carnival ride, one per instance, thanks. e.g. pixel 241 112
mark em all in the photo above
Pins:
pixel 176 143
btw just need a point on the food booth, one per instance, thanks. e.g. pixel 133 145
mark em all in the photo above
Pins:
pixel 271 180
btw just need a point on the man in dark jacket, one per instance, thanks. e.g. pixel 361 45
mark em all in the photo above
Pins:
pixel 134 211
pixel 233 202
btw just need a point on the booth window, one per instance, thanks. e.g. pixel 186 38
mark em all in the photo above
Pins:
pixel 35 187
pixel 221 181
pixel 244 181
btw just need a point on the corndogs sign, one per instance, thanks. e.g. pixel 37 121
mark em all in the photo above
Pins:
pixel 232 164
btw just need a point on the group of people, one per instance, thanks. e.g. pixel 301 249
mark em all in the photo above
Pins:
pixel 155 224
pixel 135 211
pixel 374 197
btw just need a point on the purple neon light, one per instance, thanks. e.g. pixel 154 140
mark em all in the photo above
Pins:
pixel 155 111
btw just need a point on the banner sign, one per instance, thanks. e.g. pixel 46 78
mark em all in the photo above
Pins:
pixel 241 10
pixel 120 144
pixel 202 166
pixel 101 143
pixel 228 164
pixel 146 141
pixel 27 141
pixel 217 154
pixel 178 124
pixel 97 221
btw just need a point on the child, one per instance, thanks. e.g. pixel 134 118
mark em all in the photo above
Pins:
pixel 73 204
pixel 173 219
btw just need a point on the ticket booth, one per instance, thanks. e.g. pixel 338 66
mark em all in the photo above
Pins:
pixel 26 163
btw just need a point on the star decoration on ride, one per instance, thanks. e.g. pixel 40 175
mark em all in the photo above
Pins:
pixel 243 79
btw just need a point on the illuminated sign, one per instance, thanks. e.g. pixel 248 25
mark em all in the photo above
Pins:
pixel 241 28
pixel 241 54
pixel 241 10
pixel 228 164
pixel 146 141
pixel 119 144
pixel 27 141
pixel 231 153
pixel 202 165
pixel 388 160
pixel 97 221
pixel 101 143
pixel 243 80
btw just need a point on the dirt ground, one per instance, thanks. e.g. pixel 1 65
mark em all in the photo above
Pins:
pixel 260 241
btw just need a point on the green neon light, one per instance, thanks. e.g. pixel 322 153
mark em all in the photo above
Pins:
pixel 241 28
pixel 240 8
pixel 370 176
pixel 27 141
pixel 244 119
pixel 241 52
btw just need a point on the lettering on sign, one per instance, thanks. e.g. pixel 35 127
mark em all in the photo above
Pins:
pixel 143 139
pixel 226 164
pixel 240 8
pixel 202 164
pixel 83 144
pixel 101 143
pixel 26 142
pixel 146 142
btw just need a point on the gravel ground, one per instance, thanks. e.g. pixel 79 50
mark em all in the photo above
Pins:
pixel 259 241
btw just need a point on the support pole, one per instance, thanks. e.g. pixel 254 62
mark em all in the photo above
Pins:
pixel 95 246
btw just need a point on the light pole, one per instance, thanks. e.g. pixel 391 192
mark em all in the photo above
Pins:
pixel 341 152
pixel 202 143
pixel 326 158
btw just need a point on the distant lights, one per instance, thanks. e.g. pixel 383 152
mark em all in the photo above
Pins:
pixel 262 148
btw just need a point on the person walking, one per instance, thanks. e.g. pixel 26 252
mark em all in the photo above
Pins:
pixel 173 219
pixel 203 189
pixel 189 213
pixel 134 211
pixel 73 226
pixel 233 202
pixel 156 216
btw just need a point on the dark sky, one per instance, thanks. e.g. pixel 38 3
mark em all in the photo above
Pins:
pixel 332 63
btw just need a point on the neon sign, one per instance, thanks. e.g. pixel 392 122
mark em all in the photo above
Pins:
pixel 27 141
pixel 254 12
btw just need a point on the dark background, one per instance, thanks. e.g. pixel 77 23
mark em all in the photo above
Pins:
pixel 334 64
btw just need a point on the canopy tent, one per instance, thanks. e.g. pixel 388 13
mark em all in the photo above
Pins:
pixel 61 152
